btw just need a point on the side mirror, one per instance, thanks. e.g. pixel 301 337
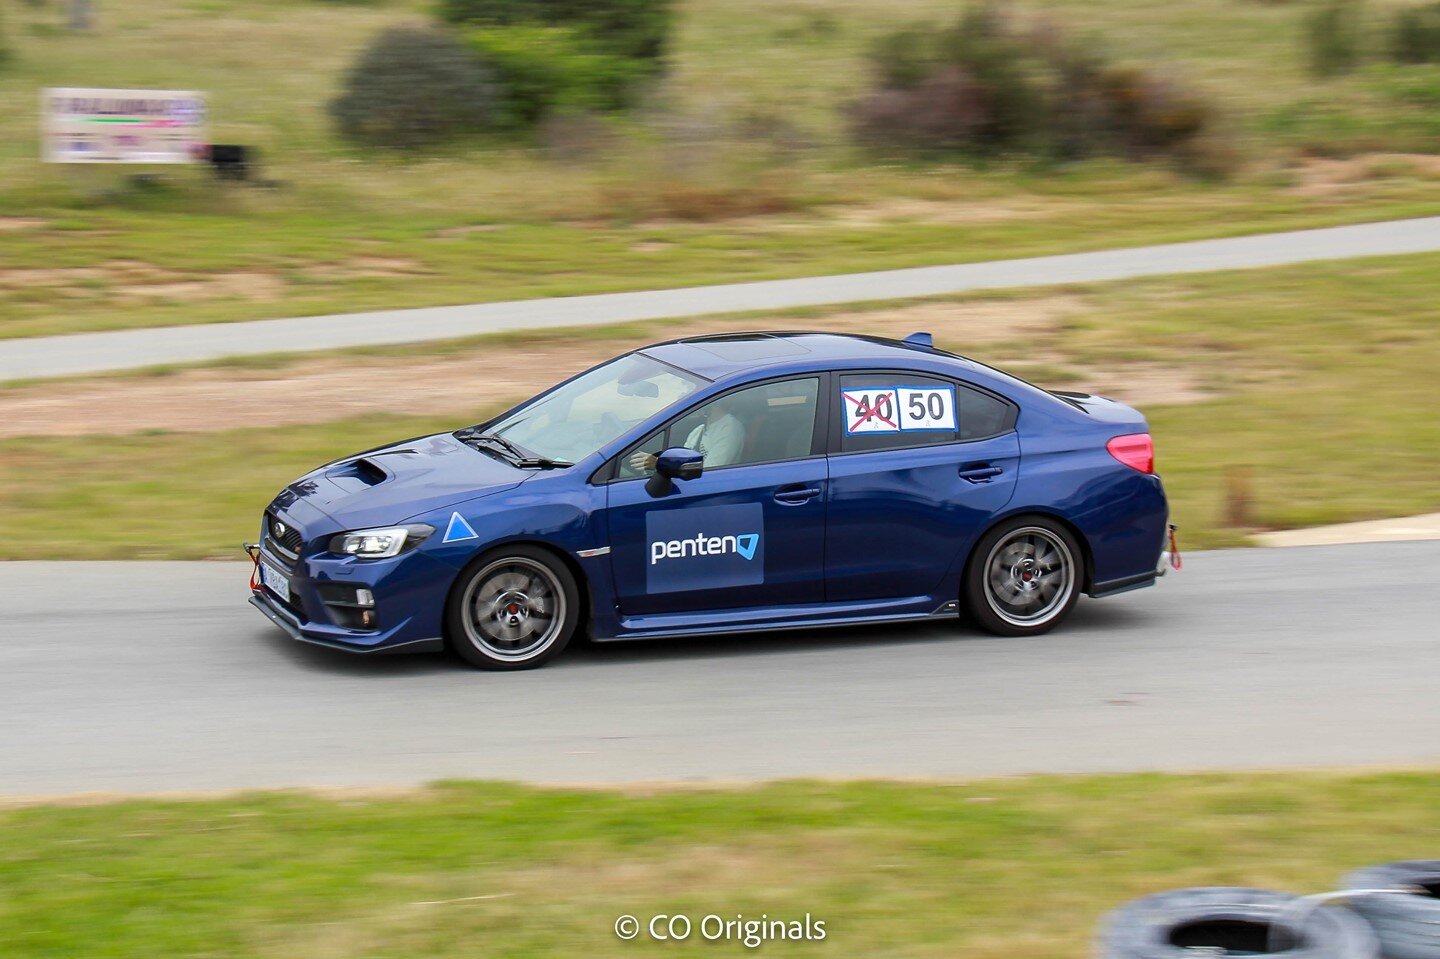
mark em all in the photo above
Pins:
pixel 675 463
pixel 680 463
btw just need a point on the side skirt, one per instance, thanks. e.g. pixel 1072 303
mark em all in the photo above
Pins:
pixel 950 610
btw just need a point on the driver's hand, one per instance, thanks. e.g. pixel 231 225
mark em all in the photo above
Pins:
pixel 642 462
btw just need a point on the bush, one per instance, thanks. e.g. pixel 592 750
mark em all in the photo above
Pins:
pixel 1333 33
pixel 543 71
pixel 1415 37
pixel 414 87
pixel 984 87
pixel 634 29
pixel 968 88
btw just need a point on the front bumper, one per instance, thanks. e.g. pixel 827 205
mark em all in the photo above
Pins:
pixel 283 618
pixel 409 591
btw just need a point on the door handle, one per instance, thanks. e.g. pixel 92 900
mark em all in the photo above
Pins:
pixel 980 474
pixel 793 497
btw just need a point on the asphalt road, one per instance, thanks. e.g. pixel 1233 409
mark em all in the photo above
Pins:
pixel 157 676
pixel 42 357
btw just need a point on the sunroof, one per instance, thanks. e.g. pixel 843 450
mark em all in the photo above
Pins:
pixel 748 346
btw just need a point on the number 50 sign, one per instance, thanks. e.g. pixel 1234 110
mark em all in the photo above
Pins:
pixel 895 409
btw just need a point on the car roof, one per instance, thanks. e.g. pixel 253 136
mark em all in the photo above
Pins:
pixel 724 355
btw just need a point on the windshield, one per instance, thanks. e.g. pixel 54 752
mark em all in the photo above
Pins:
pixel 595 408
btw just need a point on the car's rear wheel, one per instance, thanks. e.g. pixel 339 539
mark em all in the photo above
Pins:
pixel 1024 577
pixel 514 608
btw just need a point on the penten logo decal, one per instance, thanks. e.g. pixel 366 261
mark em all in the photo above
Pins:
pixel 742 544
pixel 690 548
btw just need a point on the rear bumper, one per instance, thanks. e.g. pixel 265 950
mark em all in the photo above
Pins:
pixel 333 638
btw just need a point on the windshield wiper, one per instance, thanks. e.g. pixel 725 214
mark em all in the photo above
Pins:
pixel 542 462
pixel 520 456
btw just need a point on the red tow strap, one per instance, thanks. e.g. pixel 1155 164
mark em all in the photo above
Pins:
pixel 253 552
pixel 1175 562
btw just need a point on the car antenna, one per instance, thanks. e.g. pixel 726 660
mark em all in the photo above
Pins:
pixel 920 339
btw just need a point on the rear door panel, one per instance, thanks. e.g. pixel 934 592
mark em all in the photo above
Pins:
pixel 898 518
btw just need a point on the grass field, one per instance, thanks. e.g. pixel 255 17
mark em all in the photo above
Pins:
pixel 1314 382
pixel 684 192
pixel 1009 869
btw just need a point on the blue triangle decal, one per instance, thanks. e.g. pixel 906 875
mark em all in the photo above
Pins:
pixel 745 544
pixel 458 530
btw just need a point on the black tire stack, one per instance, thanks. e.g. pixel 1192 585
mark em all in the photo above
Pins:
pixel 1226 920
pixel 1407 925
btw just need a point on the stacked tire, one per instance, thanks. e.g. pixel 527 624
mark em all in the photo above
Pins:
pixel 1230 920
pixel 1407 925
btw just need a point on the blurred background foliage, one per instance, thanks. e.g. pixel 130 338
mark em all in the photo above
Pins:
pixel 483 150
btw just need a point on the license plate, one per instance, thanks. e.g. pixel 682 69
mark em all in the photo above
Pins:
pixel 276 581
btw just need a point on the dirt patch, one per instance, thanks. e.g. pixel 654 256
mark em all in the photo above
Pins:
pixel 1327 176
pixel 366 266
pixel 10 224
pixel 254 286
pixel 957 326
pixel 865 215
pixel 40 278
pixel 947 212
pixel 1138 384
pixel 315 390
pixel 137 279
pixel 454 232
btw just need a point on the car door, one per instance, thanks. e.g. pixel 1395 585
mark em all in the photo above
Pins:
pixel 918 465
pixel 749 531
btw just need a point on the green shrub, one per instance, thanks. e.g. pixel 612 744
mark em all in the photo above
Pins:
pixel 547 70
pixel 1415 36
pixel 1333 34
pixel 985 87
pixel 635 29
pixel 412 88
pixel 903 59
pixel 967 88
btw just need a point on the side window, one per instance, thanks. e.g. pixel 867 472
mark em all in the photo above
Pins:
pixel 881 411
pixel 761 424
pixel 983 415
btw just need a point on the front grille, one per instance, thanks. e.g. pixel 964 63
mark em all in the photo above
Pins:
pixel 280 534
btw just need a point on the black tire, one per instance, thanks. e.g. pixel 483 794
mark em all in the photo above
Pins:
pixel 1408 926
pixel 1011 570
pixel 515 607
pixel 1223 920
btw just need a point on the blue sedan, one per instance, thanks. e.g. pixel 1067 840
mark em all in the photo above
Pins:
pixel 723 484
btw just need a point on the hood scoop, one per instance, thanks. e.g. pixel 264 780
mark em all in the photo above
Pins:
pixel 358 473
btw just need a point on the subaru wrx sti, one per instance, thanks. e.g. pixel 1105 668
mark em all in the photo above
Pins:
pixel 755 481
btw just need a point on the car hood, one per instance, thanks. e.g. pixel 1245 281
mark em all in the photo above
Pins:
pixel 390 484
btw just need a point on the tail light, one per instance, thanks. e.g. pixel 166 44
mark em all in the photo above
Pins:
pixel 1134 450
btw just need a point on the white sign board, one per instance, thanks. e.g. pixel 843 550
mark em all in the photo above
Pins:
pixel 82 125
pixel 896 409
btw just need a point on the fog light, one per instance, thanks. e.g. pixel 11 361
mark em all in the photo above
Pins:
pixel 364 597
pixel 367 619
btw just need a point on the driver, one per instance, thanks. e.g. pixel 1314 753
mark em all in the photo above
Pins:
pixel 720 438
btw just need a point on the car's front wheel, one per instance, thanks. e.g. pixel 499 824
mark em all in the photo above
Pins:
pixel 513 608
pixel 1024 577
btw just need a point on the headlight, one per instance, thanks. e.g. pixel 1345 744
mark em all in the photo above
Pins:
pixel 380 543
